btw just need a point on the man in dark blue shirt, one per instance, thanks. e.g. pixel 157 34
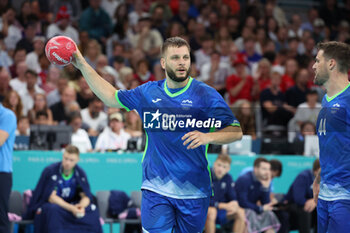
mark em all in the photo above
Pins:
pixel 253 194
pixel 223 205
pixel 302 208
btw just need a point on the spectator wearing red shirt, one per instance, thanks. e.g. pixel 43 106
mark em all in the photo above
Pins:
pixel 289 76
pixel 143 73
pixel 240 85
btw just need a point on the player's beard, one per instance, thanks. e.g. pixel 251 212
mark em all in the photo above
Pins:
pixel 172 75
pixel 321 77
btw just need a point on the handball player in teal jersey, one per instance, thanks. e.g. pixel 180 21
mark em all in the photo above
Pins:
pixel 181 116
pixel 332 184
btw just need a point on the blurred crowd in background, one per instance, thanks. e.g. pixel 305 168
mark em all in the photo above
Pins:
pixel 257 54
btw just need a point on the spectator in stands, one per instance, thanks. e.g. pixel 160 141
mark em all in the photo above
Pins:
pixel 8 125
pixel 92 53
pixel 19 55
pixel 59 109
pixel 80 137
pixel 84 93
pixel 272 28
pixel 301 206
pixel 252 187
pixel 19 83
pixel 4 83
pixel 29 33
pixel 158 19
pixel 312 14
pixel 297 94
pixel 295 29
pixel 148 40
pixel 182 16
pixel 41 118
pixel 94 117
pixel 274 108
pixel 308 111
pixel 32 88
pixel 32 58
pixel 62 26
pixel 40 105
pixel 14 33
pixel 73 8
pixel 245 115
pixel 63 195
pixel 143 73
pixel 133 124
pixel 138 12
pixel 44 69
pixel 114 136
pixel 96 21
pixel 306 128
pixel 240 85
pixel 282 39
pixel 215 72
pixel 13 102
pixel 195 37
pixel 203 55
pixel 263 75
pixel 55 96
pixel 223 205
pixel 23 127
pixel 5 59
pixel 291 69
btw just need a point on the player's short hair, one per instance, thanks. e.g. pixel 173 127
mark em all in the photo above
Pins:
pixel 276 165
pixel 260 160
pixel 72 150
pixel 176 42
pixel 338 51
pixel 225 158
pixel 316 165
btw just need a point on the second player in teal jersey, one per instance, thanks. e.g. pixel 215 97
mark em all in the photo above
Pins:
pixel 181 116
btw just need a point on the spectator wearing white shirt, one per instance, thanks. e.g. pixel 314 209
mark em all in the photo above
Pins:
pixel 62 26
pixel 215 72
pixel 32 58
pixel 27 94
pixel 80 137
pixel 94 116
pixel 20 82
pixel 114 136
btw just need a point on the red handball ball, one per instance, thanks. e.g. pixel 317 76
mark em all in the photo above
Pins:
pixel 59 50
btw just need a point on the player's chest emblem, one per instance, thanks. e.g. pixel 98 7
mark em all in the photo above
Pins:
pixel 223 185
pixel 187 103
pixel 65 192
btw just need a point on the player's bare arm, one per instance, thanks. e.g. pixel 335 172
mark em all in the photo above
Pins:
pixel 104 90
pixel 316 186
pixel 223 136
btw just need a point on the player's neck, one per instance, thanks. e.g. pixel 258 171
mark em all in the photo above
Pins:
pixel 336 84
pixel 173 84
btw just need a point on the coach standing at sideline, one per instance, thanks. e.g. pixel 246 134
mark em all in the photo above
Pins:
pixel 8 125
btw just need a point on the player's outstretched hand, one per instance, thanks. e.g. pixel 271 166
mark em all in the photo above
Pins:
pixel 196 139
pixel 78 59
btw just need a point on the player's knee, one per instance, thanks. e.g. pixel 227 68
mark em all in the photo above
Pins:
pixel 212 213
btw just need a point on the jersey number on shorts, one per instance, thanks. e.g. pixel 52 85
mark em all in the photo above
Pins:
pixel 322 127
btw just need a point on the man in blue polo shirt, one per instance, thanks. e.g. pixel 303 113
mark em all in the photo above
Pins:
pixel 8 125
